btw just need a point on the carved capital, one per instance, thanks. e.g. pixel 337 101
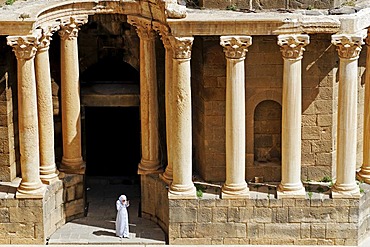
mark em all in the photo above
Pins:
pixel 165 33
pixel 292 45
pixel 348 46
pixel 24 47
pixel 143 27
pixel 45 37
pixel 69 27
pixel 181 47
pixel 235 47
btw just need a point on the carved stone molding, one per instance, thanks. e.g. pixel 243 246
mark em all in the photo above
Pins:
pixel 24 47
pixel 292 45
pixel 181 47
pixel 69 27
pixel 143 27
pixel 235 47
pixel 348 46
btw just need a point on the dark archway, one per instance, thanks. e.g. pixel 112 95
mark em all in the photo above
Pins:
pixel 112 141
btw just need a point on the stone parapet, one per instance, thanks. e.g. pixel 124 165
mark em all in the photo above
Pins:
pixel 314 221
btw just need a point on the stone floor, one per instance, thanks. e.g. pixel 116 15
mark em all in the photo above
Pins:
pixel 98 227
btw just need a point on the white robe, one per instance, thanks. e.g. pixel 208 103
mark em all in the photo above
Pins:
pixel 122 220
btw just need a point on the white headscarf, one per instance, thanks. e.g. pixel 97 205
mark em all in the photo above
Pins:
pixel 121 198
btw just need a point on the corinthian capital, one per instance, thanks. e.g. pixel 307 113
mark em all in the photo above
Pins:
pixel 165 33
pixel 45 37
pixel 24 47
pixel 348 46
pixel 143 27
pixel 235 46
pixel 292 45
pixel 181 47
pixel 69 27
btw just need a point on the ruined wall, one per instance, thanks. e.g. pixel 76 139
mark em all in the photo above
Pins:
pixel 273 4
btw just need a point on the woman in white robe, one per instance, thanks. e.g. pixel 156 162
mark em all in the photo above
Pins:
pixel 122 217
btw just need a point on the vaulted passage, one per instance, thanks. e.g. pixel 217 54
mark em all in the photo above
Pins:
pixel 112 141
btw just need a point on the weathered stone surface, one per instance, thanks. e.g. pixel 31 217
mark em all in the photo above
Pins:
pixel 182 215
pixel 283 231
pixel 231 230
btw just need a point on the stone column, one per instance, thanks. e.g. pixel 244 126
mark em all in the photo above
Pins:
pixel 182 185
pixel 48 171
pixel 167 176
pixel 235 48
pixel 292 51
pixel 349 47
pixel 364 174
pixel 148 98
pixel 25 48
pixel 72 161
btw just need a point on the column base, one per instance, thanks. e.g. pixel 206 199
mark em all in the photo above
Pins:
pixel 149 167
pixel 290 191
pixel 73 166
pixel 345 192
pixel 23 192
pixel 235 191
pixel 364 175
pixel 49 174
pixel 182 192
pixel 165 179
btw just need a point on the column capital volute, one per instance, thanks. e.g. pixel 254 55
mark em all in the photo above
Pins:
pixel 292 45
pixel 24 47
pixel 69 26
pixel 181 47
pixel 143 27
pixel 348 45
pixel 165 33
pixel 235 47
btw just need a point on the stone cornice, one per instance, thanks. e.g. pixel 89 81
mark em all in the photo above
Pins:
pixel 292 45
pixel 70 26
pixel 24 47
pixel 181 47
pixel 235 47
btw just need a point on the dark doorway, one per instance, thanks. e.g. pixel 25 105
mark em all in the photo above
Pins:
pixel 112 141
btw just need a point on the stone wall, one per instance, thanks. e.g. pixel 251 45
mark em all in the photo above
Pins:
pixel 264 75
pixel 320 221
pixel 73 195
pixel 9 153
pixel 154 200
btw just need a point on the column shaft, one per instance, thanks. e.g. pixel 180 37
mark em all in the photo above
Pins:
pixel 235 50
pixel 48 171
pixel 292 49
pixel 182 185
pixel 148 98
pixel 25 49
pixel 72 161
pixel 168 174
pixel 349 48
pixel 149 108
pixel 364 174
